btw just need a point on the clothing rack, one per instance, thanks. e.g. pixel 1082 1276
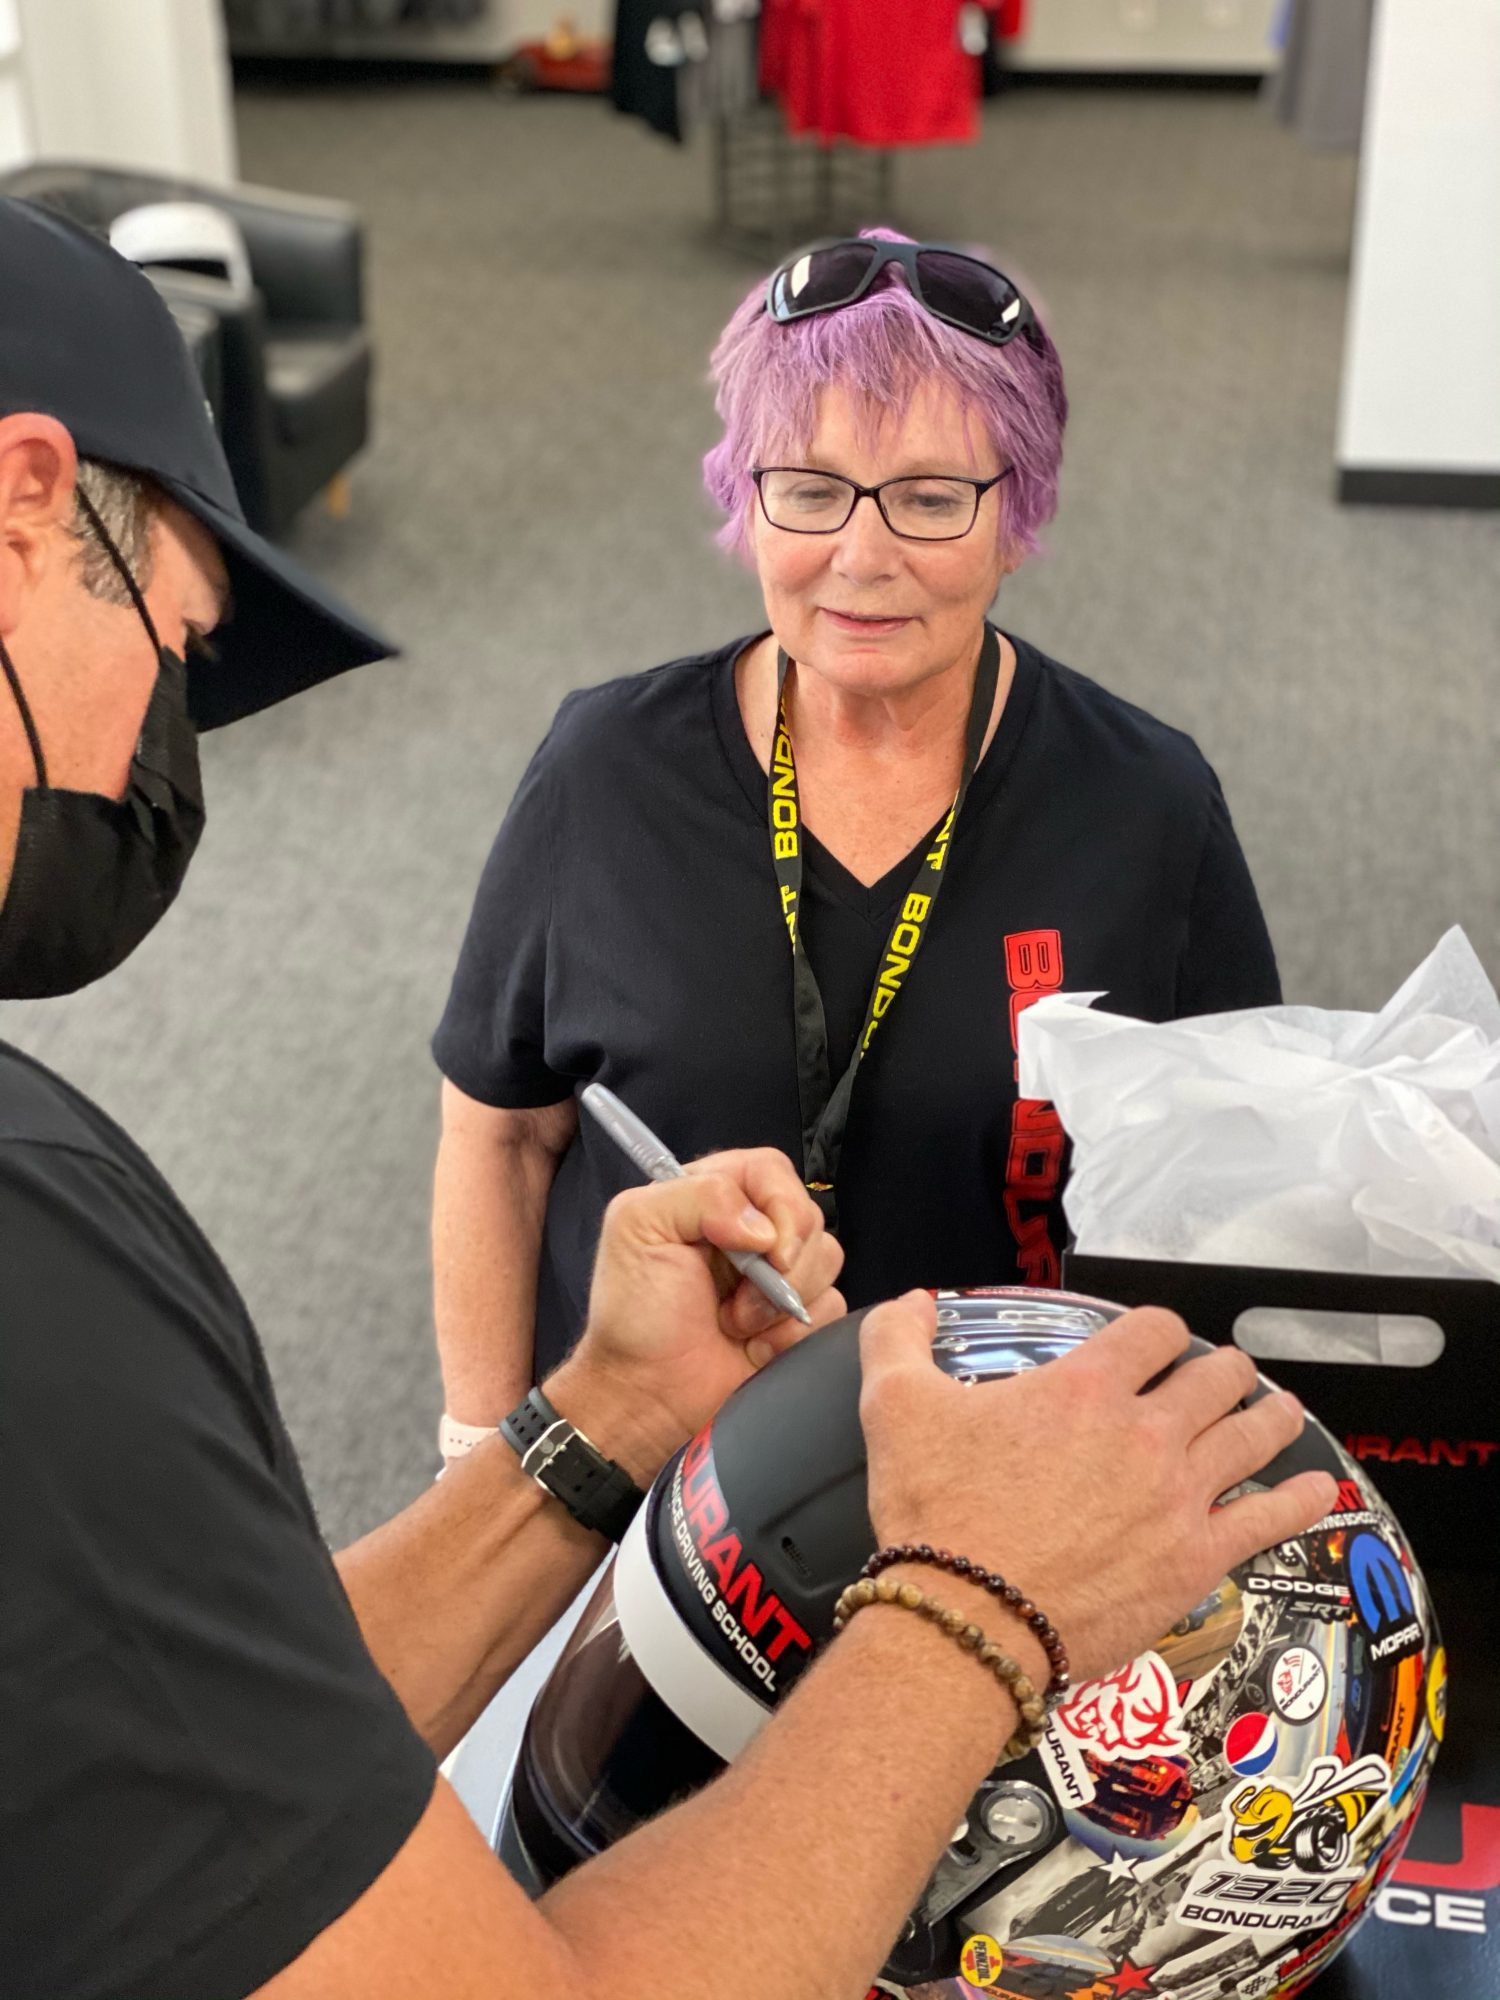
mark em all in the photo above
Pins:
pixel 771 190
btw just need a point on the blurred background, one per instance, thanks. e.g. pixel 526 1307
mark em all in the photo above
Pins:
pixel 459 359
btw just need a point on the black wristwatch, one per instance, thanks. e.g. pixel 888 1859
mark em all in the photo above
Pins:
pixel 598 1493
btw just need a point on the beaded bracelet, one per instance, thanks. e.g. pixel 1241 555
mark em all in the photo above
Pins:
pixel 992 1581
pixel 1012 1677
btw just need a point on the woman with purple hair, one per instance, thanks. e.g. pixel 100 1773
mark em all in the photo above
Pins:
pixel 715 879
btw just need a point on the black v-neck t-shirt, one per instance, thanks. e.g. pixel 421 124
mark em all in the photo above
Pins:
pixel 201 1767
pixel 627 930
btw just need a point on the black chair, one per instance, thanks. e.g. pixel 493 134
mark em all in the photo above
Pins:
pixel 294 357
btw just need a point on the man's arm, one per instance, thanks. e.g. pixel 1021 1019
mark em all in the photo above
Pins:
pixel 454 1592
pixel 786 1880
pixel 789 1878
pixel 494 1171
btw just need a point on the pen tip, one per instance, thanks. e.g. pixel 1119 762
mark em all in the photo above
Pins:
pixel 804 1315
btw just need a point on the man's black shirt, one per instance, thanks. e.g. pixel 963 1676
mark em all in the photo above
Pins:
pixel 627 929
pixel 200 1766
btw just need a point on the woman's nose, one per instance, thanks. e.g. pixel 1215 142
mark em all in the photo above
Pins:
pixel 864 547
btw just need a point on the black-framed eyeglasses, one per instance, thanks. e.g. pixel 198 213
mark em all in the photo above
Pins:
pixel 953 287
pixel 920 508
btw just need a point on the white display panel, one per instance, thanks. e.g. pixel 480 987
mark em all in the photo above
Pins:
pixel 1166 35
pixel 1421 388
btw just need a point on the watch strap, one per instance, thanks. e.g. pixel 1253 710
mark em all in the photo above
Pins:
pixel 598 1493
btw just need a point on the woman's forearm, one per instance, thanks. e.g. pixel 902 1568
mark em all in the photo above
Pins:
pixel 494 1172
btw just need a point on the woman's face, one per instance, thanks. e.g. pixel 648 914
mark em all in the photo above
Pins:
pixel 868 611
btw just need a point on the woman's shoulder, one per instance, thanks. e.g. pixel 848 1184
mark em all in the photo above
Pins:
pixel 1079 716
pixel 650 705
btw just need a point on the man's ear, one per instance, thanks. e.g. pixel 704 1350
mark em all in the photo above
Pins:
pixel 38 479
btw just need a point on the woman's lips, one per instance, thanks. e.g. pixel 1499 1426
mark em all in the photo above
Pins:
pixel 870 627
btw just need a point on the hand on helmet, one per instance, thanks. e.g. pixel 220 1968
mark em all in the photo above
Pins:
pixel 1092 1493
pixel 673 1329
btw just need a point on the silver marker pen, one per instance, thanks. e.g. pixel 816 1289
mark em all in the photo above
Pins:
pixel 640 1144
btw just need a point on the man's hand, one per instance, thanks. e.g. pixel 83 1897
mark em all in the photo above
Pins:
pixel 1092 1483
pixel 673 1329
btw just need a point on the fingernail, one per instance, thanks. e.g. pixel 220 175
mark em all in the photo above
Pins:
pixel 757 1224
pixel 757 1314
pixel 1293 1403
pixel 758 1352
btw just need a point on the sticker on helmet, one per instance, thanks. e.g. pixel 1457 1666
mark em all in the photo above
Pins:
pixel 1134 1713
pixel 982 1961
pixel 1383 1597
pixel 1251 1745
pixel 1288 1850
pixel 1437 1692
pixel 1299 1684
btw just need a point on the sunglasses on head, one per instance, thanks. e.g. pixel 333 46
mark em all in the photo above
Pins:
pixel 957 289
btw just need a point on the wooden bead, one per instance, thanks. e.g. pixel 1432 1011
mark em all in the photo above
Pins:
pixel 909 1597
pixel 862 1593
pixel 1023 1687
pixel 971 1638
pixel 990 1655
pixel 886 1589
pixel 930 1608
pixel 953 1622
pixel 1033 1713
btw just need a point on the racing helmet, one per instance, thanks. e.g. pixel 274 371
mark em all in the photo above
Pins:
pixel 1209 1821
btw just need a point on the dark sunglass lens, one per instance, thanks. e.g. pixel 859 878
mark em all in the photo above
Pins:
pixel 819 279
pixel 962 289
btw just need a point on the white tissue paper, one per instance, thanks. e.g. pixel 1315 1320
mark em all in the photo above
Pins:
pixel 1286 1135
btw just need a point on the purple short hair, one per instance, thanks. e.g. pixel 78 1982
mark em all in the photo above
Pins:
pixel 883 349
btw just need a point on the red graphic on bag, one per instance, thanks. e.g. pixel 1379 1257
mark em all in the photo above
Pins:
pixel 1033 1167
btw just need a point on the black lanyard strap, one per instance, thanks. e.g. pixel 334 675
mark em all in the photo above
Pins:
pixel 824 1104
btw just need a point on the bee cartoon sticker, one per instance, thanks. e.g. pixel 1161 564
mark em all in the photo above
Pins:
pixel 1288 1855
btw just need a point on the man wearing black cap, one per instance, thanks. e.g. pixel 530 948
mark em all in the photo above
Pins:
pixel 202 1766
pixel 216 1745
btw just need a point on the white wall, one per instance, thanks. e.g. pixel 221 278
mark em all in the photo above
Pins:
pixel 142 83
pixel 1421 387
pixel 1169 35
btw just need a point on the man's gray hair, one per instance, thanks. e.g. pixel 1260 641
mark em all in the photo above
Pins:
pixel 124 503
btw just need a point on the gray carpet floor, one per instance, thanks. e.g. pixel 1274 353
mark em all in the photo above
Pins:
pixel 544 289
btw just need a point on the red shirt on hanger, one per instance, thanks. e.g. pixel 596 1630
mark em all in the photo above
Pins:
pixel 879 72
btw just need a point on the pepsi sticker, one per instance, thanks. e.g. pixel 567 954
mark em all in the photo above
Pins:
pixel 1251 1744
pixel 1299 1684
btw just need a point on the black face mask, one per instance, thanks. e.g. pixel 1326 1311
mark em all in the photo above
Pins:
pixel 93 875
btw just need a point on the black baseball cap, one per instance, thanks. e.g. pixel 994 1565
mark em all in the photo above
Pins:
pixel 86 338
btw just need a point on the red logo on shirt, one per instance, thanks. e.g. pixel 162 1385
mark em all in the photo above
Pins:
pixel 1034 967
